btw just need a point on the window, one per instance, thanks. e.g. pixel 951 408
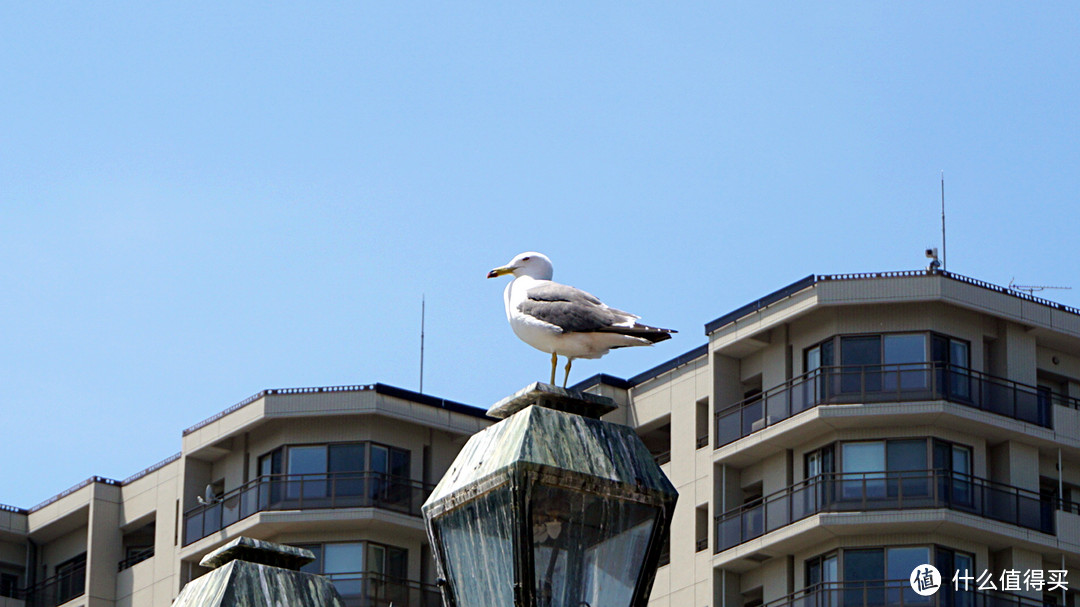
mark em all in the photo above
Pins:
pixel 871 576
pixel 819 461
pixel 9 583
pixel 879 469
pixel 888 362
pixel 71 578
pixel 952 357
pixel 351 560
pixel 946 559
pixel 955 460
pixel 360 568
pixel 822 570
pixel 335 470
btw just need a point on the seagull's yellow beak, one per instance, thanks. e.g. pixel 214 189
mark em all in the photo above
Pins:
pixel 503 271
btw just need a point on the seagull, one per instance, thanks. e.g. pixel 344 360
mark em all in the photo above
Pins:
pixel 563 320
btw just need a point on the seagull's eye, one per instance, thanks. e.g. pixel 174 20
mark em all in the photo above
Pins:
pixel 526 258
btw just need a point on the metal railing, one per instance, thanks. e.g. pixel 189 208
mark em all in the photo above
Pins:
pixel 897 593
pixel 136 558
pixel 662 457
pixel 888 384
pixel 58 589
pixel 702 544
pixel 375 590
pixel 870 491
pixel 702 440
pixel 306 492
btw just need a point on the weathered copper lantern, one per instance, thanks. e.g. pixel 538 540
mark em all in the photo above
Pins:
pixel 550 507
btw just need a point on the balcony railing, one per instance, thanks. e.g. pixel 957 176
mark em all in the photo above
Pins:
pixel 58 589
pixel 135 558
pixel 306 492
pixel 897 593
pixel 888 384
pixel 870 491
pixel 374 590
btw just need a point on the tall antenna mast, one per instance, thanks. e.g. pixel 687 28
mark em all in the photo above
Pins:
pixel 423 310
pixel 943 219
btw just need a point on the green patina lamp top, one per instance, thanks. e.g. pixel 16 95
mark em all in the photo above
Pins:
pixel 261 552
pixel 256 573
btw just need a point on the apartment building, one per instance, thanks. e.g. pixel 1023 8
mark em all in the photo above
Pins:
pixel 342 471
pixel 825 440
pixel 832 436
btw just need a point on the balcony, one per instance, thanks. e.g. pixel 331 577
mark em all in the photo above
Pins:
pixel 58 589
pixel 897 593
pixel 306 492
pixel 135 559
pixel 872 491
pixel 374 590
pixel 888 384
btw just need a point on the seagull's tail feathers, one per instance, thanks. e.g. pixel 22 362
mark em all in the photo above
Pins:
pixel 652 334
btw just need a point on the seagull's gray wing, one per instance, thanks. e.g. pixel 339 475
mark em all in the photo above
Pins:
pixel 570 309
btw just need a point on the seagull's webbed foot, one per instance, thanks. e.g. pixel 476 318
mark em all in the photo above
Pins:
pixel 569 361
pixel 554 363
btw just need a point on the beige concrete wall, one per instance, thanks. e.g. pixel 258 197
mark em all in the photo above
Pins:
pixel 105 546
pixel 61 549
pixel 1015 463
pixel 1020 359
pixel 13 553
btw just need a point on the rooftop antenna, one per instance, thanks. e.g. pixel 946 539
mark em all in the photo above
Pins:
pixel 423 310
pixel 942 221
pixel 1031 289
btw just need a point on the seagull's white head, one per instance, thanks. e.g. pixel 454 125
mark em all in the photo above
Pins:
pixel 533 264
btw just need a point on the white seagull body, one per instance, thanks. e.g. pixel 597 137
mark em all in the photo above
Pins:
pixel 563 320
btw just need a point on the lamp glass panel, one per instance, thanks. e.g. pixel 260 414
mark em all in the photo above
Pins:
pixel 587 549
pixel 478 553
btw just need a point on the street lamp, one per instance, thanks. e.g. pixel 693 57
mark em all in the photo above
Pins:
pixel 550 507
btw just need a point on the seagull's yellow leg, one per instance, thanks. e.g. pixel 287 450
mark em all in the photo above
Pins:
pixel 569 361
pixel 554 362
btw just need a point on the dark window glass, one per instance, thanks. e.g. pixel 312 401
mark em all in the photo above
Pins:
pixel 347 457
pixel 379 459
pixel 942 455
pixel 307 468
pixel 902 561
pixel 9 582
pixel 939 349
pixel 861 358
pixel 270 463
pixel 827 354
pixel 906 462
pixel 904 348
pixel 906 455
pixel 865 350
pixel 270 492
pixel 399 463
pixel 347 464
pixel 864 566
pixel 397 563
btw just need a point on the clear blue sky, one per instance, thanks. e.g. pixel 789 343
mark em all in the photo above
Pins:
pixel 201 201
